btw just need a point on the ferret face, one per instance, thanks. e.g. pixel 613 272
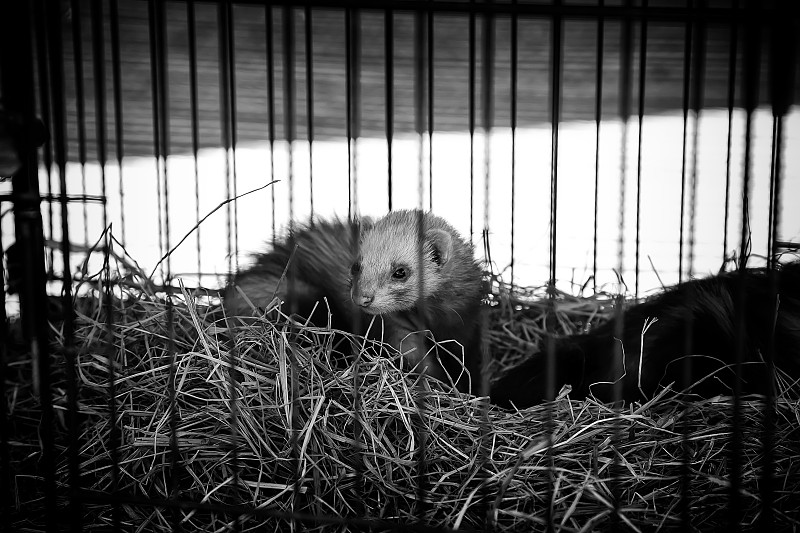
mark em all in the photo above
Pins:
pixel 381 287
pixel 387 275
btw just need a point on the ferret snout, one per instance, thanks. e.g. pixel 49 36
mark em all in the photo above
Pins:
pixel 363 299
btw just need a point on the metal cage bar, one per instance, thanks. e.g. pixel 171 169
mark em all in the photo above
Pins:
pixel 7 475
pixel 353 105
pixel 514 52
pixel 98 64
pixel 119 138
pixel 388 53
pixel 229 130
pixel 309 42
pixel 625 97
pixel 80 104
pixel 270 66
pixel 783 54
pixel 472 118
pixel 43 102
pixel 598 115
pixel 750 81
pixel 640 114
pixel 159 83
pixel 191 26
pixel 421 96
pixel 18 96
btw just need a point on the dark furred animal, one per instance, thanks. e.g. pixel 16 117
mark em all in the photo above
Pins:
pixel 590 362
pixel 381 275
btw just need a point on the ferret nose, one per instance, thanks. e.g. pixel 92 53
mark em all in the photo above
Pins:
pixel 365 300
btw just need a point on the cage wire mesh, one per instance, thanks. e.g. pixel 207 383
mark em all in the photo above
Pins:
pixel 593 153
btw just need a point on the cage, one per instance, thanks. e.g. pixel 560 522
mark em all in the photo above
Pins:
pixel 592 153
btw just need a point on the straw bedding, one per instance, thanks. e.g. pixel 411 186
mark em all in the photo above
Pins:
pixel 309 441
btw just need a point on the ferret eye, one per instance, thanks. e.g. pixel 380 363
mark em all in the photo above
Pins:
pixel 400 273
pixel 355 269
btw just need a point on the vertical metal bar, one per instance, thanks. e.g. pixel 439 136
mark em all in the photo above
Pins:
pixel 783 61
pixel 772 214
pixel 289 105
pixel 45 113
pixel 626 67
pixel 99 74
pixel 513 96
pixel 389 77
pixel 228 119
pixel 353 104
pixel 7 475
pixel 429 42
pixel 472 82
pixel 116 72
pixel 421 396
pixel 687 65
pixel 487 123
pixel 750 79
pixel 229 130
pixel 51 25
pixel 159 84
pixel 420 91
pixel 767 477
pixel 289 134
pixel 694 68
pixel 487 97
pixel 421 399
pixel 193 103
pixel 156 113
pixel 289 96
pixel 16 24
pixel 782 69
pixel 348 80
pixel 271 110
pixel 555 118
pixel 80 102
pixel 487 101
pixel 626 58
pixel 598 113
pixel 732 61
pixel 113 437
pixel 116 66
pixel 309 41
pixel 642 77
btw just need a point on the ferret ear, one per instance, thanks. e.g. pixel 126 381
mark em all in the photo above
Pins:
pixel 440 245
pixel 363 224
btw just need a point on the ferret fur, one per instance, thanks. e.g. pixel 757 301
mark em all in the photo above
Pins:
pixel 352 265
pixel 589 362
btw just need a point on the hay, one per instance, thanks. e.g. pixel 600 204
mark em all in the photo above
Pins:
pixel 340 446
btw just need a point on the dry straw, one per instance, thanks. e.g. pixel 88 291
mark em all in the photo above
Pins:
pixel 305 440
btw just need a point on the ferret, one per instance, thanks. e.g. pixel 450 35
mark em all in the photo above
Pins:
pixel 591 362
pixel 367 269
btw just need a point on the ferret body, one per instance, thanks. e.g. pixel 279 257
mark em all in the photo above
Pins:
pixel 369 269
pixel 590 362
